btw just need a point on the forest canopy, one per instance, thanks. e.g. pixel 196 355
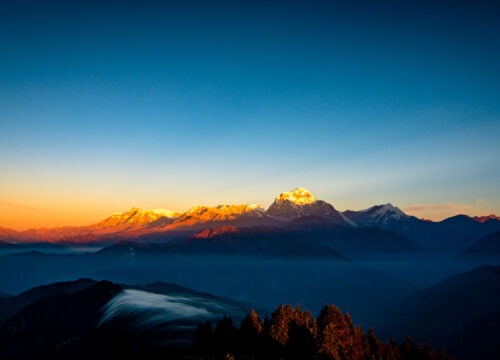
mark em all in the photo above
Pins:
pixel 293 334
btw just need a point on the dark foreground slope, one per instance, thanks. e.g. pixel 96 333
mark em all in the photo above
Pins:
pixel 12 304
pixel 87 318
pixel 460 315
pixel 109 321
pixel 54 321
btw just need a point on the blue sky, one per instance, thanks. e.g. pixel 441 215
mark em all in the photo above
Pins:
pixel 106 105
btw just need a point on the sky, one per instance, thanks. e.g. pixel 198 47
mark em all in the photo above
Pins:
pixel 105 105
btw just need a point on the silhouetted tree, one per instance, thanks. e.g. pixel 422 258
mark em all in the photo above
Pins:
pixel 293 334
pixel 203 339
pixel 301 343
pixel 280 321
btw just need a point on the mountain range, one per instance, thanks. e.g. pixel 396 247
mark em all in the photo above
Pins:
pixel 452 234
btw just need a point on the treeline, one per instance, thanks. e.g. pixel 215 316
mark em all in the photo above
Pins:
pixel 293 334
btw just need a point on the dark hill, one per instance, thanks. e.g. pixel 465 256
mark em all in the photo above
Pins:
pixel 485 249
pixel 54 321
pixel 10 305
pixel 460 314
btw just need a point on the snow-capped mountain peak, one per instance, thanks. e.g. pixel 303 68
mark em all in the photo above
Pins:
pixel 385 210
pixel 299 196
pixel 137 217
pixel 378 215
pixel 226 209
pixel 164 212
pixel 300 202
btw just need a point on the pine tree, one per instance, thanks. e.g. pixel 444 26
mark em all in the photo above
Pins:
pixel 279 323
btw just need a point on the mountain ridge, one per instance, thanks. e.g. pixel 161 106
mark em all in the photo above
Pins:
pixel 455 233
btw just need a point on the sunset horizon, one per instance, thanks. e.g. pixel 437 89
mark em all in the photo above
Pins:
pixel 249 180
pixel 434 212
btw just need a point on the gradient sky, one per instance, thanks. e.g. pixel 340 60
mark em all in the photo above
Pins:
pixel 107 105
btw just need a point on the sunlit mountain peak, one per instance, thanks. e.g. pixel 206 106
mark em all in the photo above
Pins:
pixel 299 196
pixel 137 216
pixel 164 212
pixel 224 210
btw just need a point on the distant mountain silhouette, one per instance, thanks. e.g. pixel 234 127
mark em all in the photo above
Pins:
pixel 483 219
pixel 258 241
pixel 7 245
pixel 485 249
pixel 450 235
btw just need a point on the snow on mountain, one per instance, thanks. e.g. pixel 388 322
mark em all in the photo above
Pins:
pixel 299 196
pixel 377 215
pixel 202 214
pixel 300 202
pixel 386 210
pixel 135 217
pixel 286 207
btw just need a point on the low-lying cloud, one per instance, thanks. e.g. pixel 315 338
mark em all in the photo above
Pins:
pixel 150 308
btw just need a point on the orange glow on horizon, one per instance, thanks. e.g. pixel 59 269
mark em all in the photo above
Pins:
pixel 20 217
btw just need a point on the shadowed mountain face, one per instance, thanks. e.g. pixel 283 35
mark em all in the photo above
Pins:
pixel 260 242
pixel 306 237
pixel 353 242
pixel 486 249
pixel 461 314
